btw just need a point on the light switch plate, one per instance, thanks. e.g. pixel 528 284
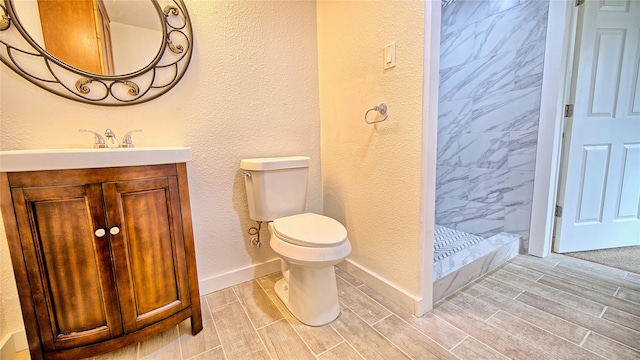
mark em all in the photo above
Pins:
pixel 389 55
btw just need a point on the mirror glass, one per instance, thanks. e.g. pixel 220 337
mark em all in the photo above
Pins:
pixel 107 37
pixel 103 52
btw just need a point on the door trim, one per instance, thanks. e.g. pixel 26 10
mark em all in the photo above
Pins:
pixel 555 91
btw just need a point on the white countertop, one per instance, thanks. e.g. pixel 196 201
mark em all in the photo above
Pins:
pixel 59 159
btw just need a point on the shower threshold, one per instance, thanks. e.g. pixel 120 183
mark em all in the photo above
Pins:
pixel 460 258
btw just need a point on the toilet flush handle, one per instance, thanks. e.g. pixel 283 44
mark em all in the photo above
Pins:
pixel 246 174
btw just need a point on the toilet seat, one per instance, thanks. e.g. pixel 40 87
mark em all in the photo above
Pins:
pixel 310 230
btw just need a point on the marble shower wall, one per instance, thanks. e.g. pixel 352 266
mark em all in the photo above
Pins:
pixel 491 63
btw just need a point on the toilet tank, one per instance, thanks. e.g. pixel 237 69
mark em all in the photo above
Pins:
pixel 276 187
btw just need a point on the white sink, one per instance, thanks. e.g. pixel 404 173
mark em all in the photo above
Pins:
pixel 58 159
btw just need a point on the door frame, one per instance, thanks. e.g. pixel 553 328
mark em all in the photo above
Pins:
pixel 556 87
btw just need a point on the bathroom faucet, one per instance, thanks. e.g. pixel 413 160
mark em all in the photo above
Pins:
pixel 112 142
pixel 99 140
pixel 126 140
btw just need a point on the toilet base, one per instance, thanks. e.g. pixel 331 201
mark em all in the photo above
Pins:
pixel 310 294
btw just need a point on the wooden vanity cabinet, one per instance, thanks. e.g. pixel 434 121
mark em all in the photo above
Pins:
pixel 103 258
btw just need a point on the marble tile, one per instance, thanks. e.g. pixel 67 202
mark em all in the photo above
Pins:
pixel 462 13
pixel 479 150
pixel 472 217
pixel 522 150
pixel 517 220
pixel 529 65
pixel 516 110
pixel 509 30
pixel 364 339
pixel 458 46
pixel 454 117
pixel 452 182
pixel 491 75
pixel 508 188
pixel 411 341
pixel 461 269
pixel 502 5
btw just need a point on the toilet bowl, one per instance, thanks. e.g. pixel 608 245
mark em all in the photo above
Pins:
pixel 309 245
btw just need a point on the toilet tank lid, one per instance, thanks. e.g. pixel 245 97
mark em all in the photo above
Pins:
pixel 274 163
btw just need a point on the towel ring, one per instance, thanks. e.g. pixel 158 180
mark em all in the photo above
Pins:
pixel 382 109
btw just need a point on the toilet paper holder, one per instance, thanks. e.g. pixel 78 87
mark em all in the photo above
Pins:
pixel 382 109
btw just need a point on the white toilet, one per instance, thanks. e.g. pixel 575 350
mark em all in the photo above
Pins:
pixel 308 244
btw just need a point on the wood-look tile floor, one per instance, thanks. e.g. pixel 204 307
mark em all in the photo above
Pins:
pixel 530 308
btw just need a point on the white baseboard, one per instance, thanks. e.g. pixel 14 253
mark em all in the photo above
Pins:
pixel 387 289
pixel 12 343
pixel 235 277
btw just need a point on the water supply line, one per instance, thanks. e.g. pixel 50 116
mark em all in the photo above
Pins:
pixel 255 240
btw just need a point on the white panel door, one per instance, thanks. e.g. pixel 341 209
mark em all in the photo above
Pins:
pixel 600 188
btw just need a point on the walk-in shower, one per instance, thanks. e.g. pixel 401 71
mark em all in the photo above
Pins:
pixel 491 65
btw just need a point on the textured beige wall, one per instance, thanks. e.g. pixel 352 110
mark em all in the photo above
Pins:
pixel 250 91
pixel 371 174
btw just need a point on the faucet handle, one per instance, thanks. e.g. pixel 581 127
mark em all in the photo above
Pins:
pixel 126 140
pixel 99 140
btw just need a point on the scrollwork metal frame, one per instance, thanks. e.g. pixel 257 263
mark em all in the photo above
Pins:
pixel 23 55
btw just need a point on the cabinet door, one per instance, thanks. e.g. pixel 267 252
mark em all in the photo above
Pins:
pixel 68 263
pixel 148 249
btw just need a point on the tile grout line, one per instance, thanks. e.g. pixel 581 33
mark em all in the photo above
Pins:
pixel 345 340
pixel 379 333
pixel 584 339
pixel 460 342
pixel 553 289
pixel 215 326
pixel 235 290
pixel 399 317
pixel 284 317
pixel 329 349
pixel 603 311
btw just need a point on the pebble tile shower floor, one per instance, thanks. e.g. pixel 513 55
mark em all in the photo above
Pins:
pixel 529 308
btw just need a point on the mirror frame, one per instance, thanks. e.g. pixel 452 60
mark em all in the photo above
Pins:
pixel 53 75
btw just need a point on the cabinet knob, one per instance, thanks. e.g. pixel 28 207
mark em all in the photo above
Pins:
pixel 114 230
pixel 100 233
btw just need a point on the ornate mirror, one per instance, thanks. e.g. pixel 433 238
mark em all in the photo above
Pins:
pixel 105 52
